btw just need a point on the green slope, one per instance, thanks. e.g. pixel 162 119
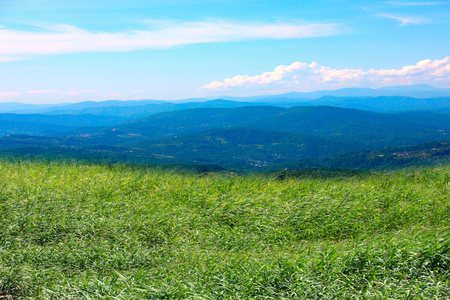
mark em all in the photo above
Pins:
pixel 233 146
pixel 429 153
pixel 79 231
pixel 370 128
pixel 182 122
pixel 240 146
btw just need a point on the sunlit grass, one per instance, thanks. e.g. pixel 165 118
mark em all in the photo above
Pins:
pixel 78 231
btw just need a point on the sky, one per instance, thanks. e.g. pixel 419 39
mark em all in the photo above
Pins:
pixel 58 51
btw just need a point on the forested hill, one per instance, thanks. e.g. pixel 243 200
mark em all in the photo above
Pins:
pixel 350 125
pixel 247 136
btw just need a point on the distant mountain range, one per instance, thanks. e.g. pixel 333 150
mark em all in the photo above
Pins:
pixel 397 98
pixel 415 91
pixel 344 128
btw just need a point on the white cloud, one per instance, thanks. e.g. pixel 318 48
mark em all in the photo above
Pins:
pixel 403 20
pixel 59 39
pixel 307 77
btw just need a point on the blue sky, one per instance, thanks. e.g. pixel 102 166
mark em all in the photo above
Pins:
pixel 68 51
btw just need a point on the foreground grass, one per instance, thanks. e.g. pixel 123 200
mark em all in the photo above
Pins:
pixel 74 231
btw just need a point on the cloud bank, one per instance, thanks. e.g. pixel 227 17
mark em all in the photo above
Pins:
pixel 301 76
pixel 60 39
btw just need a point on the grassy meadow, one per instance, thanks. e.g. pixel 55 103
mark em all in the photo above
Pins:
pixel 79 231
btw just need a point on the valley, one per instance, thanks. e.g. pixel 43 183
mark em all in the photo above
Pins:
pixel 237 135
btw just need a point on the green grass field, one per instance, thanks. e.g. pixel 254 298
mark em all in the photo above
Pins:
pixel 79 231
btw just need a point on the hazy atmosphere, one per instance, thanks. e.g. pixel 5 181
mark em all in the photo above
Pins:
pixel 71 51
pixel 224 149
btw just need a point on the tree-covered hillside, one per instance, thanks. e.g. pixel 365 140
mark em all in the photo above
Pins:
pixel 239 137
